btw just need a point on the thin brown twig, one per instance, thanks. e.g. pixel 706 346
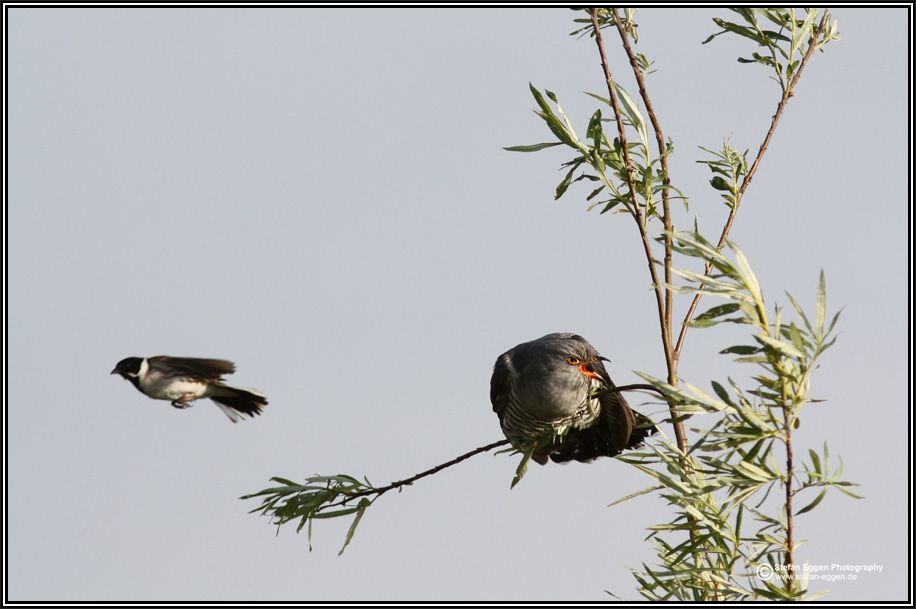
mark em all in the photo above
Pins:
pixel 787 94
pixel 663 159
pixel 633 387
pixel 790 472
pixel 679 433
pixel 378 492
pixel 637 216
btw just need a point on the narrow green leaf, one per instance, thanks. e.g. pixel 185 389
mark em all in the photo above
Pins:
pixel 741 30
pixel 779 17
pixel 718 311
pixel 636 494
pixel 360 510
pixel 741 350
pixel 522 467
pixel 801 312
pixel 720 184
pixel 813 504
pixel 632 111
pixel 821 303
pixel 557 128
pixel 594 193
pixel 815 461
pixel 780 346
pixel 532 147
pixel 839 469
pixel 611 205
pixel 748 14
pixel 598 97
pixel 776 36
pixel 336 513
pixel 541 102
pixel 721 392
pixel 302 522
pixel 754 472
pixel 564 183
pixel 845 492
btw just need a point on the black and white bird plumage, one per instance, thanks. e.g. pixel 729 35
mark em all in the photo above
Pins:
pixel 182 380
pixel 559 382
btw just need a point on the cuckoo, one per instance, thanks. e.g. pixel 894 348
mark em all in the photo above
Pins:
pixel 554 396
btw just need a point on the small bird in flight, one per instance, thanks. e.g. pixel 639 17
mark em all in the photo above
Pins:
pixel 182 380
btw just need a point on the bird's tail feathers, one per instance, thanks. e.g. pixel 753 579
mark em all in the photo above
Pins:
pixel 643 429
pixel 237 403
pixel 588 444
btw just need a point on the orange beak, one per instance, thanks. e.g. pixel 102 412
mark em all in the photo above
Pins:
pixel 584 369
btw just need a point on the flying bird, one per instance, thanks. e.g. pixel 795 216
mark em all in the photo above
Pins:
pixel 182 380
pixel 557 387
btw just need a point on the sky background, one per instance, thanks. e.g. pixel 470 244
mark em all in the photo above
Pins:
pixel 322 197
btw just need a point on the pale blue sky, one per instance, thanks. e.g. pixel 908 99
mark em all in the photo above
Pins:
pixel 321 196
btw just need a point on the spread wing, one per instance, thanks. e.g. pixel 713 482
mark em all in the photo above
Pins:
pixel 195 367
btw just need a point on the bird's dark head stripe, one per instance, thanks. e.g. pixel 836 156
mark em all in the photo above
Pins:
pixel 128 367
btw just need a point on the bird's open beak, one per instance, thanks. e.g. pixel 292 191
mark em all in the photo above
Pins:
pixel 587 371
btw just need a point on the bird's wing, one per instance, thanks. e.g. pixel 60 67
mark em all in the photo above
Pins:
pixel 499 384
pixel 615 412
pixel 195 367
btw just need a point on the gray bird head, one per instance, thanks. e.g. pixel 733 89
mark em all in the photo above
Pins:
pixel 553 374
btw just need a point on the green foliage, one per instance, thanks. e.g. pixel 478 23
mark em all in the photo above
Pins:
pixel 729 168
pixel 311 501
pixel 782 47
pixel 315 499
pixel 606 19
pixel 599 158
pixel 727 520
pixel 529 448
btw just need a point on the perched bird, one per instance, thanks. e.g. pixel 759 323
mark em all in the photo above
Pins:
pixel 557 387
pixel 185 379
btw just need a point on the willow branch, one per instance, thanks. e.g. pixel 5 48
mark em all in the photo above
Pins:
pixel 663 159
pixel 790 516
pixel 637 215
pixel 378 492
pixel 633 387
pixel 787 94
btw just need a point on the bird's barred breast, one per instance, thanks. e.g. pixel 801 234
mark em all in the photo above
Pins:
pixel 520 425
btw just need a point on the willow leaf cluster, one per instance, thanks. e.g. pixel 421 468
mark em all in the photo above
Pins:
pixel 599 159
pixel 781 35
pixel 315 500
pixel 729 518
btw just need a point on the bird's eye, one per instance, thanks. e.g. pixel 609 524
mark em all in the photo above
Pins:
pixel 572 360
